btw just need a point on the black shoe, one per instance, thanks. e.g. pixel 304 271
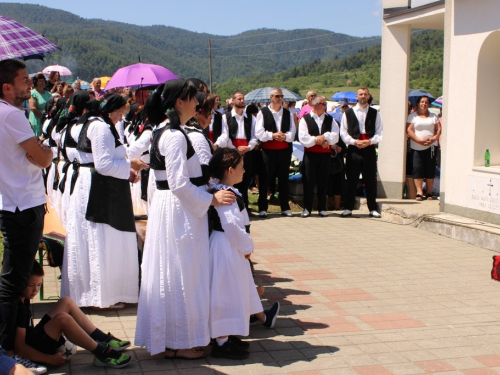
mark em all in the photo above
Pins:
pixel 286 213
pixel 271 315
pixel 229 350
pixel 239 343
pixel 346 213
pixel 254 320
pixel 305 213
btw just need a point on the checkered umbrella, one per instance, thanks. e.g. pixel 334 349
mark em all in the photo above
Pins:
pixel 18 41
pixel 263 95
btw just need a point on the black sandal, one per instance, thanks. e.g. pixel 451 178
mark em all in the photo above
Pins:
pixel 429 197
pixel 419 198
pixel 175 356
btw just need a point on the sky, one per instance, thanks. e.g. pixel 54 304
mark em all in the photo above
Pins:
pixel 360 18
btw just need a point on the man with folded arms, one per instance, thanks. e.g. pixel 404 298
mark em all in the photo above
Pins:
pixel 361 129
pixel 276 130
pixel 317 133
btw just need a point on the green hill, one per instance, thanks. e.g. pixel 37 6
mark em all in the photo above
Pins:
pixel 94 47
pixel 362 68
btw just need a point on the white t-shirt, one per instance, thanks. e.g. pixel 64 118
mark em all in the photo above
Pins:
pixel 423 127
pixel 21 182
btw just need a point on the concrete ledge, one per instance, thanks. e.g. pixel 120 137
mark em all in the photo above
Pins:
pixel 474 232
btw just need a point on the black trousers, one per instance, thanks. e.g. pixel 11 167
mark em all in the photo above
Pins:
pixel 22 231
pixel 247 176
pixel 361 160
pixel 276 162
pixel 316 171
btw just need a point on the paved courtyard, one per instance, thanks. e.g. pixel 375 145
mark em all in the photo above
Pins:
pixel 359 296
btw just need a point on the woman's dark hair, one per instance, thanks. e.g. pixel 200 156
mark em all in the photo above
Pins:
pixel 222 160
pixel 188 91
pixel 421 97
pixel 37 77
pixel 251 109
pixel 205 109
pixel 36 269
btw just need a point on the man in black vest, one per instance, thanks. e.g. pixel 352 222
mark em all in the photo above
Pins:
pixel 317 133
pixel 361 129
pixel 240 129
pixel 276 130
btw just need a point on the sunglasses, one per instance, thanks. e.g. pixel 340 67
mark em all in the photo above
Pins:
pixel 322 103
pixel 279 96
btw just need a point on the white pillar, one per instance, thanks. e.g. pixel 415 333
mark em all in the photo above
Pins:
pixel 394 109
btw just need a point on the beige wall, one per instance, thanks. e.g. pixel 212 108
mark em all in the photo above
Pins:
pixel 472 116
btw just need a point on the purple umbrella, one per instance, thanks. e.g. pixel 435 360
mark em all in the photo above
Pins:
pixel 17 41
pixel 140 75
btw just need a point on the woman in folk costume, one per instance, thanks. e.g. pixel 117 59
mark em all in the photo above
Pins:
pixel 172 316
pixel 100 266
pixel 52 140
pixel 67 121
pixel 195 129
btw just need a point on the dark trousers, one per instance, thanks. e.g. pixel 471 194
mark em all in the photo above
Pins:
pixel 247 176
pixel 276 163
pixel 316 172
pixel 22 231
pixel 362 160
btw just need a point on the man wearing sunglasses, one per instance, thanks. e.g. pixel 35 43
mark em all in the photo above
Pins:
pixel 361 129
pixel 276 130
pixel 317 133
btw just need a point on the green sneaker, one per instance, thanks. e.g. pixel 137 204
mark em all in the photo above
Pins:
pixel 115 343
pixel 118 360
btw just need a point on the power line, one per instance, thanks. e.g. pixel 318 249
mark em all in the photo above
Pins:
pixel 283 41
pixel 251 36
pixel 305 49
pixel 298 50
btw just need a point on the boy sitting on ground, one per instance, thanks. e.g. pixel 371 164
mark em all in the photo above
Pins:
pixel 40 343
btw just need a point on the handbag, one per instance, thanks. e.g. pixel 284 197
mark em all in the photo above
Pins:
pixel 495 271
pixel 336 162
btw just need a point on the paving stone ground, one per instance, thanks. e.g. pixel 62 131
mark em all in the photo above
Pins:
pixel 359 296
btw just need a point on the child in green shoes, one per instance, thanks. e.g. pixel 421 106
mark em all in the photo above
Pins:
pixel 40 343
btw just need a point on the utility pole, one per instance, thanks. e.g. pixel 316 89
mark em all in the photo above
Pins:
pixel 210 63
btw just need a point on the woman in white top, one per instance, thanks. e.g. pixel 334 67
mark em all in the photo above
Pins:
pixel 424 130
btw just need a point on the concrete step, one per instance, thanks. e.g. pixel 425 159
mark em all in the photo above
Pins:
pixel 425 215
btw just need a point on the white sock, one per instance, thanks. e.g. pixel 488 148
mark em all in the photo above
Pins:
pixel 221 342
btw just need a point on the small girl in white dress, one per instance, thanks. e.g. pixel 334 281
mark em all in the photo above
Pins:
pixel 233 296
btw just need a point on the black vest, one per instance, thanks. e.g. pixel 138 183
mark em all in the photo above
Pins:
pixel 232 125
pixel 217 126
pixel 214 218
pixel 157 160
pixel 312 127
pixel 84 143
pixel 270 123
pixel 353 124
pixel 200 131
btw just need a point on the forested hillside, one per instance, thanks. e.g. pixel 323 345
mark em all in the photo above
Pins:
pixel 362 68
pixel 94 47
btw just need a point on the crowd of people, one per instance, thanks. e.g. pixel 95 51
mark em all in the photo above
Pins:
pixel 173 156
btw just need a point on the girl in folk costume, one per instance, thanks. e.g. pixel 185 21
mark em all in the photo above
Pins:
pixel 67 121
pixel 233 297
pixel 100 266
pixel 172 316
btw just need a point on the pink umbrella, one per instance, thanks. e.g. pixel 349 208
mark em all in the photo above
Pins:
pixel 140 75
pixel 57 68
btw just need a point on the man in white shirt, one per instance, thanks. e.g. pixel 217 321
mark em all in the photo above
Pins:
pixel 317 133
pixel 361 129
pixel 240 132
pixel 275 128
pixel 22 194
